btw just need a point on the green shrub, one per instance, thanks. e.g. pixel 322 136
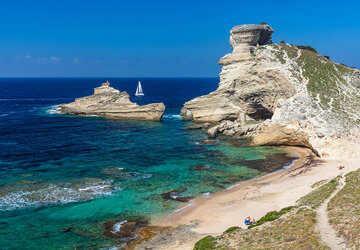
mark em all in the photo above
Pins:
pixel 333 182
pixel 263 23
pixel 205 243
pixel 307 48
pixel 231 229
pixel 270 216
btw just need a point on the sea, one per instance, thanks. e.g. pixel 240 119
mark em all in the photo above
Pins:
pixel 62 177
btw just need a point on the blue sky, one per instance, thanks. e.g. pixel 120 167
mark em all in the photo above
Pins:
pixel 160 38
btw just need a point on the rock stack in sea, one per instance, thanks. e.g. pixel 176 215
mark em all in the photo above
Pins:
pixel 281 94
pixel 111 103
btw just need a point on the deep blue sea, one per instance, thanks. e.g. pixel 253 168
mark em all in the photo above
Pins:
pixel 62 177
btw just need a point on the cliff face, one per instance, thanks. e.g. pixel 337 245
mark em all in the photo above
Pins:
pixel 246 87
pixel 109 102
pixel 281 95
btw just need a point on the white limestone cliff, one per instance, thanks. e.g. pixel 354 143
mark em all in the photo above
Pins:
pixel 281 94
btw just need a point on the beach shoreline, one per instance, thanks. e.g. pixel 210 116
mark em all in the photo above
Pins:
pixel 176 218
pixel 213 214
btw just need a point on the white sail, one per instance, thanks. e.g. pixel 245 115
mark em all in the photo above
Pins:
pixel 139 90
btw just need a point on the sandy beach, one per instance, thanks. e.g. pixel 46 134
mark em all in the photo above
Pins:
pixel 212 215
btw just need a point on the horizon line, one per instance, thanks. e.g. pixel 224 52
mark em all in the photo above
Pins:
pixel 109 77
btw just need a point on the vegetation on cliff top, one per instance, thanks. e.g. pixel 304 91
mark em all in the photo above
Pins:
pixel 334 87
pixel 327 80
pixel 307 48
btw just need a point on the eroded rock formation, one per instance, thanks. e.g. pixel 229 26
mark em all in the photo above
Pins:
pixel 109 102
pixel 281 94
pixel 246 88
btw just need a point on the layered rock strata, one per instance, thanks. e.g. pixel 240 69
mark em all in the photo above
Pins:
pixel 281 94
pixel 111 103
pixel 246 88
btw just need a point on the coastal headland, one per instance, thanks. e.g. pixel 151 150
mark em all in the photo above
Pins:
pixel 282 94
pixel 276 95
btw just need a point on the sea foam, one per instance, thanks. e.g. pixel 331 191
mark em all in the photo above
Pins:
pixel 55 109
pixel 172 117
pixel 117 226
pixel 55 195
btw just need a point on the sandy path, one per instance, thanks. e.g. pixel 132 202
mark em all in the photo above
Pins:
pixel 327 232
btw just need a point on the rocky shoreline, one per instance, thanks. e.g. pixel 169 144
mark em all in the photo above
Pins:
pixel 111 103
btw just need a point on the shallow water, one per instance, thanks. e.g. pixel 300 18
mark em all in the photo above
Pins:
pixel 62 177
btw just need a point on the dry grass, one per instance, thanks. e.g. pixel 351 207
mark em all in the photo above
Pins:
pixel 319 195
pixel 284 233
pixel 344 211
pixel 318 184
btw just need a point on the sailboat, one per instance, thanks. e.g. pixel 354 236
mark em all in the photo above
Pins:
pixel 139 91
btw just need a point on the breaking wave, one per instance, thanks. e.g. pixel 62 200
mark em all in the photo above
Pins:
pixel 55 195
pixel 55 109
pixel 172 117
pixel 117 226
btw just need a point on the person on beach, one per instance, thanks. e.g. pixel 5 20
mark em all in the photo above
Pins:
pixel 253 222
pixel 247 221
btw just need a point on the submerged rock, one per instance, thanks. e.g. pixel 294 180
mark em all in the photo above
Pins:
pixel 66 229
pixel 111 103
pixel 121 228
pixel 131 232
pixel 239 143
pixel 208 142
pixel 201 167
pixel 30 181
pixel 175 196
pixel 199 126
pixel 270 164
pixel 115 171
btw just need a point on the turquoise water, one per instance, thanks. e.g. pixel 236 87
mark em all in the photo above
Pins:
pixel 63 177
